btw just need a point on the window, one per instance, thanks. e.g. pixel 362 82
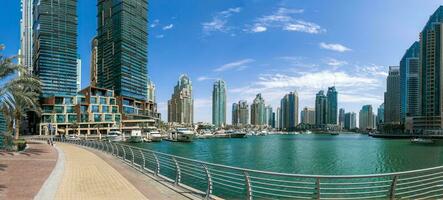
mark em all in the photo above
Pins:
pixel 97 118
pixel 59 109
pixel 60 119
pixel 72 118
pixel 102 100
pixel 128 110
pixel 47 118
pixel 117 118
pixel 105 109
pixel 93 100
pixel 112 101
pixel 108 118
pixel 68 100
pixel 59 100
pixel 114 109
pixel 70 109
pixel 84 118
pixel 84 109
pixel 94 109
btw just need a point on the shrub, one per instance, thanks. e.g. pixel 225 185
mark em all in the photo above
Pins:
pixel 20 144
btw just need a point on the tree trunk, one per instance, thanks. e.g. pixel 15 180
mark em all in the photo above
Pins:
pixel 17 128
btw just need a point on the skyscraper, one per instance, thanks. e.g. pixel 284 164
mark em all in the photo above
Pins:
pixel 308 116
pixel 341 117
pixel 268 118
pixel 94 51
pixel 258 111
pixel 181 104
pixel 321 108
pixel 150 96
pixel 26 24
pixel 289 111
pixel 430 95
pixel 55 46
pixel 79 73
pixel 366 118
pixel 278 119
pixel 240 113
pixel 392 96
pixel 235 114
pixel 409 82
pixel 219 103
pixel 332 105
pixel 122 47
pixel 350 121
pixel 381 114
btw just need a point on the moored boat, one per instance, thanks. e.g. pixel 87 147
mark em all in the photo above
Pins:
pixel 182 135
pixel 422 141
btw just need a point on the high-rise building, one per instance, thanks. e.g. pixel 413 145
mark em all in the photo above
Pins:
pixel 289 111
pixel 150 96
pixel 430 78
pixel 55 46
pixel 219 103
pixel 321 108
pixel 308 116
pixel 94 51
pixel 26 24
pixel 122 47
pixel 366 118
pixel 381 114
pixel 392 96
pixel 350 121
pixel 278 119
pixel 240 113
pixel 341 117
pixel 181 104
pixel 79 73
pixel 409 82
pixel 268 118
pixel 332 105
pixel 258 114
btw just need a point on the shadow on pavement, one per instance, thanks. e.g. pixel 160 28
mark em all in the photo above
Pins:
pixel 3 167
pixel 33 151
pixel 2 188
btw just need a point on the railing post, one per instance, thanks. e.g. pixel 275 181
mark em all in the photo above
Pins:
pixel 178 175
pixel 209 179
pixel 112 148
pixel 142 165
pixel 116 147
pixel 317 188
pixel 133 157
pixel 124 153
pixel 106 145
pixel 393 187
pixel 248 186
pixel 157 170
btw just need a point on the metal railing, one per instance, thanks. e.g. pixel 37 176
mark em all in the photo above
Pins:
pixel 215 180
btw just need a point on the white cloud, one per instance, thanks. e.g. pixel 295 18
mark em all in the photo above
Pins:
pixel 334 47
pixel 205 78
pixel 336 63
pixel 237 65
pixel 170 26
pixel 283 19
pixel 219 21
pixel 374 70
pixel 160 36
pixel 155 23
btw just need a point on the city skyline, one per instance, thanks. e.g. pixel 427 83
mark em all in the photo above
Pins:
pixel 272 78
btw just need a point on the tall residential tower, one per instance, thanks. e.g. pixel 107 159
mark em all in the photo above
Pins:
pixel 219 103
pixel 181 104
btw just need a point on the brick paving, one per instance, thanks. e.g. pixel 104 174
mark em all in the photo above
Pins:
pixel 23 174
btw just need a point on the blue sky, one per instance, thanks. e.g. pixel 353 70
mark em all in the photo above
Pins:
pixel 271 47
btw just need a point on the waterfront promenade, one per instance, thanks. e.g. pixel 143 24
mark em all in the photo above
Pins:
pixel 75 173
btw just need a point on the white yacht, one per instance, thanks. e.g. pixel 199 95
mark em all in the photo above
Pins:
pixel 154 136
pixel 114 136
pixel 182 135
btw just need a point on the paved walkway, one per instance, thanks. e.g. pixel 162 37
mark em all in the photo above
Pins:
pixel 90 174
pixel 23 174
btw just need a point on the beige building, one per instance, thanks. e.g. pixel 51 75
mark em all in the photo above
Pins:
pixel 181 104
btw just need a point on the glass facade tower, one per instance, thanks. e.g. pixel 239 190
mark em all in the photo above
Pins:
pixel 409 66
pixel 122 47
pixel 219 103
pixel 332 106
pixel 55 46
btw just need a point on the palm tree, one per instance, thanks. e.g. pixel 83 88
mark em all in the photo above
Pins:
pixel 18 94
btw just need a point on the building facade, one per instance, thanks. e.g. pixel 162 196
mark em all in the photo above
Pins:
pixel 289 111
pixel 181 104
pixel 240 113
pixel 122 47
pixel 341 117
pixel 350 121
pixel 366 118
pixel 321 108
pixel 219 103
pixel 308 116
pixel 380 115
pixel 409 82
pixel 332 105
pixel 258 115
pixel 79 73
pixel 93 65
pixel 55 46
pixel 392 96
pixel 150 95
pixel 26 23
pixel 269 120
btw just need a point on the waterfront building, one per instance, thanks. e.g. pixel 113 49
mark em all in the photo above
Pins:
pixel 258 114
pixel 273 120
pixel 332 106
pixel 350 121
pixel 181 104
pixel 278 119
pixel 235 114
pixel 321 108
pixel 79 73
pixel 55 47
pixel 392 96
pixel 150 96
pixel 289 111
pixel 366 118
pixel 380 120
pixel 308 116
pixel 122 47
pixel 409 82
pixel 26 23
pixel 268 118
pixel 430 98
pixel 93 66
pixel 240 113
pixel 219 103
pixel 341 117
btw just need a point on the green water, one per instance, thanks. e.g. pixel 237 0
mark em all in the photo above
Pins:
pixel 345 154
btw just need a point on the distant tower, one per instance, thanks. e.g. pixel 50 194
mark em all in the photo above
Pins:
pixel 366 118
pixel 26 24
pixel 258 111
pixel 289 111
pixel 392 96
pixel 79 73
pixel 94 51
pixel 321 108
pixel 332 106
pixel 219 103
pixel 341 117
pixel 409 82
pixel 181 104
pixel 308 116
